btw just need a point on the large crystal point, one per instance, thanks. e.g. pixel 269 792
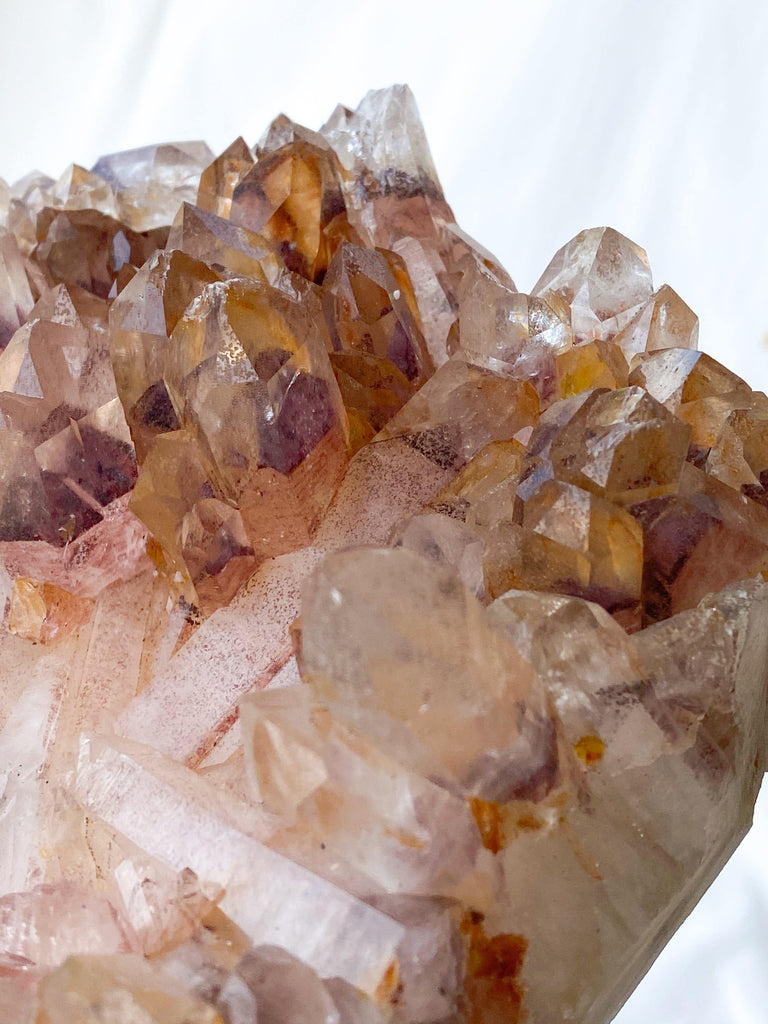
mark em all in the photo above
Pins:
pixel 515 334
pixel 293 197
pixel 483 745
pixel 69 461
pixel 142 319
pixel 79 189
pixel 384 144
pixel 394 199
pixel 90 249
pixel 128 788
pixel 251 358
pixel 599 279
pixel 664 321
pixel 228 248
pixel 378 351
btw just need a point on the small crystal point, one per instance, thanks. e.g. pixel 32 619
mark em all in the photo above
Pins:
pixel 152 182
pixel 220 179
pixel 602 277
pixel 15 296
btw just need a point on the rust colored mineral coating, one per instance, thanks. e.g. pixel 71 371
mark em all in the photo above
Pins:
pixel 352 599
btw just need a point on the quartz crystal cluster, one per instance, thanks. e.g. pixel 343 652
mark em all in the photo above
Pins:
pixel 380 643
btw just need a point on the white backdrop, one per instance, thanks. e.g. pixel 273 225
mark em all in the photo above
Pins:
pixel 544 118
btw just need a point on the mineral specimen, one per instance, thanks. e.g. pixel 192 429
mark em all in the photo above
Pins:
pixel 379 643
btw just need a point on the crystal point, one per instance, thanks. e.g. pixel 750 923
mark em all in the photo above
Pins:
pixel 599 279
pixel 15 295
pixel 220 179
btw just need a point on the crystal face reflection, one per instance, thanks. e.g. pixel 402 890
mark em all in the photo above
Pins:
pixel 379 642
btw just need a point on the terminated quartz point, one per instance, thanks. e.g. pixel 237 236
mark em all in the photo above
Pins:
pixel 380 644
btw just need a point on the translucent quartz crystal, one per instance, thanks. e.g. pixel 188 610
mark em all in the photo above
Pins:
pixel 102 989
pixel 214 838
pixel 598 281
pixel 293 197
pixel 141 322
pixel 379 643
pixel 378 353
pixel 42 927
pixel 15 294
pixel 91 249
pixel 68 460
pixel 514 334
pixel 220 178
pixel 226 247
pixel 151 182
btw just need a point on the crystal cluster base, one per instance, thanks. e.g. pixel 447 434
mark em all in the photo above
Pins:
pixel 379 643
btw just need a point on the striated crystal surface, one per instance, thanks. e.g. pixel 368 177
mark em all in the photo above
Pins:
pixel 380 644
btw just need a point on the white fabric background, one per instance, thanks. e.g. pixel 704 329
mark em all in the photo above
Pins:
pixel 544 118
